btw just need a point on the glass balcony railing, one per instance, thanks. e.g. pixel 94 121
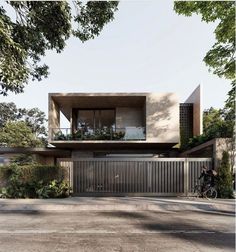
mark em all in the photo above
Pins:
pixel 114 134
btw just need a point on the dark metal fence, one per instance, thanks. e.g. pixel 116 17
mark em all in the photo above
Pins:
pixel 135 176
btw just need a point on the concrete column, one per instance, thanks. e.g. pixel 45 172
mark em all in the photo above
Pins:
pixel 53 117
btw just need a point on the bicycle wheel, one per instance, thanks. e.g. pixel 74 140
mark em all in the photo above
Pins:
pixel 211 193
pixel 196 191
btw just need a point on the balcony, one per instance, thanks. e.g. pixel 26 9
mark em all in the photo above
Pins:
pixel 104 134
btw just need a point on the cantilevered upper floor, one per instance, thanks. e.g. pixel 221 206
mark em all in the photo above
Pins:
pixel 114 119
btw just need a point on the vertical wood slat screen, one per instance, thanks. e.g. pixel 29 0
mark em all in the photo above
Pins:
pixel 163 176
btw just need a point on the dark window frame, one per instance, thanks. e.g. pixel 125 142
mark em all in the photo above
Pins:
pixel 75 111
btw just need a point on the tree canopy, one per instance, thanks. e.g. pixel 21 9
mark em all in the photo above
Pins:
pixel 18 134
pixel 215 124
pixel 34 118
pixel 40 26
pixel 221 57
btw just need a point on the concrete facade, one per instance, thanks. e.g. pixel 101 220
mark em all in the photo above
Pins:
pixel 214 149
pixel 53 115
pixel 158 113
pixel 195 98
pixel 162 118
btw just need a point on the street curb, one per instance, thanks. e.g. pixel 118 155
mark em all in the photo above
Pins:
pixel 230 209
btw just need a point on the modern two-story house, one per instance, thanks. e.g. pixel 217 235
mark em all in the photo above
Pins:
pixel 104 124
pixel 122 143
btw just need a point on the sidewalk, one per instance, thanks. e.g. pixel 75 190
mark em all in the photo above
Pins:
pixel 118 204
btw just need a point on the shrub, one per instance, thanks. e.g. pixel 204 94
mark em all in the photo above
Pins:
pixel 55 189
pixel 34 181
pixel 59 136
pixel 23 159
pixel 224 183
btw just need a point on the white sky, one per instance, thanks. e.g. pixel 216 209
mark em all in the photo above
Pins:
pixel 147 48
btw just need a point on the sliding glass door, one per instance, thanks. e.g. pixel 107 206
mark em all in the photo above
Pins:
pixel 95 119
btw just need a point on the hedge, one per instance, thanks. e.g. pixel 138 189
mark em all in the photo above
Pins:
pixel 33 181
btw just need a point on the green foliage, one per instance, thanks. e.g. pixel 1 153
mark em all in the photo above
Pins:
pixel 196 140
pixel 40 26
pixel 59 136
pixel 34 118
pixel 118 135
pixel 18 134
pixel 92 17
pixel 224 184
pixel 23 159
pixel 229 109
pixel 99 134
pixel 221 57
pixel 215 124
pixel 55 189
pixel 34 181
pixel 8 112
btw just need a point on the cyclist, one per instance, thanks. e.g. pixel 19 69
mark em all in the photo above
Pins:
pixel 208 178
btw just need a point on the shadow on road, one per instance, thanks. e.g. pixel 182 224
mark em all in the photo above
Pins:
pixel 180 228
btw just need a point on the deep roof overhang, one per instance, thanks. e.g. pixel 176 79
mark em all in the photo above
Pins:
pixel 96 100
pixel 112 145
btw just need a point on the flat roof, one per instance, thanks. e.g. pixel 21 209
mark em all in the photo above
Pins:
pixel 109 94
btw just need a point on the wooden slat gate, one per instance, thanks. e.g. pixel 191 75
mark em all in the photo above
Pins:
pixel 134 176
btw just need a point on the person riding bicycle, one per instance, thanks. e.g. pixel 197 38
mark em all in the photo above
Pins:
pixel 208 178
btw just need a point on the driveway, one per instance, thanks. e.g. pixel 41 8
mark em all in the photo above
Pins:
pixel 118 230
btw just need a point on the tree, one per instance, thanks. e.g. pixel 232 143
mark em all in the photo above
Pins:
pixel 221 57
pixel 215 124
pixel 18 134
pixel 34 118
pixel 225 178
pixel 8 112
pixel 41 26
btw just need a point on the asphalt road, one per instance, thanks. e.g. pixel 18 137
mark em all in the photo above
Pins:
pixel 117 231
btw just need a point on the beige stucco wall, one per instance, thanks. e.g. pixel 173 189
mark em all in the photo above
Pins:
pixel 160 114
pixel 162 118
pixel 221 145
pixel 195 98
pixel 129 117
pixel 53 115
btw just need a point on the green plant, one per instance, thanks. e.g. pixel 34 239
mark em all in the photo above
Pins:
pixel 34 181
pixel 78 135
pixel 69 137
pixel 59 136
pixel 224 183
pixel 55 189
pixel 118 135
pixel 23 159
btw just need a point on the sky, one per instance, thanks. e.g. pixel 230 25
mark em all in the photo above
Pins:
pixel 147 48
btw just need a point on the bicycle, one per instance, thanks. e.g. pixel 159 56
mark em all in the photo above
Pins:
pixel 209 191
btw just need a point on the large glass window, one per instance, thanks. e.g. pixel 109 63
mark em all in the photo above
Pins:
pixel 107 118
pixel 86 119
pixel 96 118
